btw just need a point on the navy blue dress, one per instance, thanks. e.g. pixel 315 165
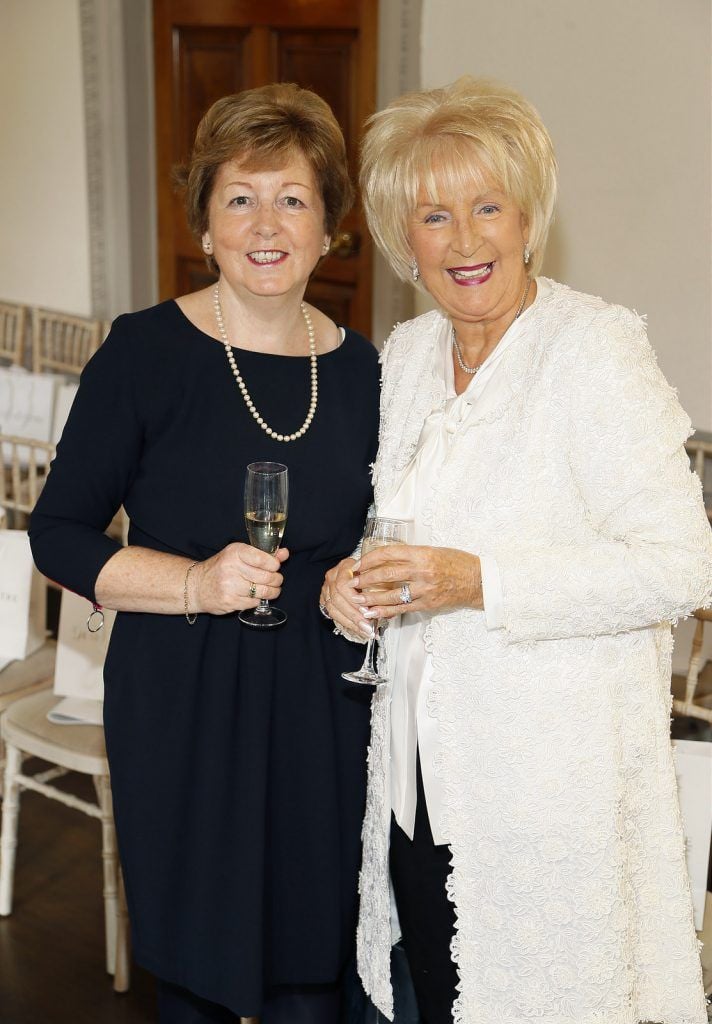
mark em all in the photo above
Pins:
pixel 237 756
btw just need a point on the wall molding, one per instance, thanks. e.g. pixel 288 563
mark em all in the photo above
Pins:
pixel 105 119
pixel 398 72
pixel 91 81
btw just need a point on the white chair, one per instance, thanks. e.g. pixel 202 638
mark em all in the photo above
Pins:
pixel 24 465
pixel 62 343
pixel 13 318
pixel 21 678
pixel 692 705
pixel 27 733
pixel 700 453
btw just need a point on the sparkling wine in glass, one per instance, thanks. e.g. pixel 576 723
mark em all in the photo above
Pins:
pixel 266 490
pixel 379 532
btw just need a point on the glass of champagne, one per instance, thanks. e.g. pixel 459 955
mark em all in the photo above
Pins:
pixel 266 490
pixel 378 533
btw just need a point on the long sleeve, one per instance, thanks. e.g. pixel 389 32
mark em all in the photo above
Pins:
pixel 90 476
pixel 646 553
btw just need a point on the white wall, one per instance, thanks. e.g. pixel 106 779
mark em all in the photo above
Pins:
pixel 624 88
pixel 44 256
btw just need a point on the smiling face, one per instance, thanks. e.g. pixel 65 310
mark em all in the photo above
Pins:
pixel 266 227
pixel 469 249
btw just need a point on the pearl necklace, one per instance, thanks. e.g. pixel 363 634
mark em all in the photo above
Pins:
pixel 472 370
pixel 243 387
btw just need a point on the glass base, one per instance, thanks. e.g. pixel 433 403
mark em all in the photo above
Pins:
pixel 263 620
pixel 365 677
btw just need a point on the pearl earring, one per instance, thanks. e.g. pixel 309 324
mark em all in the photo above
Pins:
pixel 207 248
pixel 325 248
pixel 527 254
pixel 414 270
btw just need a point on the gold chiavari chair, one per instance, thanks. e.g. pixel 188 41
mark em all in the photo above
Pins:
pixel 24 465
pixel 13 320
pixel 694 705
pixel 62 343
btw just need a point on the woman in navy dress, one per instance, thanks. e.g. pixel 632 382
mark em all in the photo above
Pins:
pixel 237 755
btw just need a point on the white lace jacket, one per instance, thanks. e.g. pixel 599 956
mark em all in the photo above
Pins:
pixel 568 866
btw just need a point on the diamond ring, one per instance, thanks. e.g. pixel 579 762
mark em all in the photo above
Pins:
pixel 405 595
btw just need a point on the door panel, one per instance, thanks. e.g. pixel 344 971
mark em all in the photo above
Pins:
pixel 210 64
pixel 205 49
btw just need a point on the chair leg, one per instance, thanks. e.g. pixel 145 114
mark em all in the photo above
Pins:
pixel 693 670
pixel 110 862
pixel 8 836
pixel 122 969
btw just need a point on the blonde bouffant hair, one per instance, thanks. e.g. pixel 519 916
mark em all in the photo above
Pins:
pixel 471 128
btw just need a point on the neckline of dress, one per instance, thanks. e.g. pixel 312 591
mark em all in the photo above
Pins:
pixel 251 351
pixel 543 288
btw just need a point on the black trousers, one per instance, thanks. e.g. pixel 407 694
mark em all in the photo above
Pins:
pixel 419 870
pixel 308 1004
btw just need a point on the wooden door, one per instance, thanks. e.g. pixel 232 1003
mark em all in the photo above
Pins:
pixel 205 49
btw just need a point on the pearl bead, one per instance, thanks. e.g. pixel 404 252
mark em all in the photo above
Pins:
pixel 313 372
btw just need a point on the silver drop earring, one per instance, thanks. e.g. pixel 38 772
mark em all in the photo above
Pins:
pixel 527 254
pixel 414 270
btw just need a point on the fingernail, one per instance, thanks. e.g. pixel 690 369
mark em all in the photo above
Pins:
pixel 370 615
pixel 355 581
pixel 363 609
pixel 367 629
pixel 355 567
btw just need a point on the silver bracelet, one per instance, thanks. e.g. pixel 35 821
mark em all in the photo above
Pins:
pixel 190 618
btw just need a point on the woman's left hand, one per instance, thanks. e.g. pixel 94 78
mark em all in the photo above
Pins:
pixel 438 579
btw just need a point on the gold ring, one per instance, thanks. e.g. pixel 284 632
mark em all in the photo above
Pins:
pixel 253 590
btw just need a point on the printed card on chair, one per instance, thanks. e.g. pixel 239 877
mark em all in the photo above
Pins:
pixel 23 598
pixel 27 403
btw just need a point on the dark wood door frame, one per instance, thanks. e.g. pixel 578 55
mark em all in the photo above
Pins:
pixel 329 45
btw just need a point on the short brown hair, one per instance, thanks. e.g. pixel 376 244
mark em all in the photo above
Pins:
pixel 471 125
pixel 262 128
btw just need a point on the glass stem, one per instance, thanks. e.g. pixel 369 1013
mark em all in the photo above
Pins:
pixel 263 607
pixel 371 658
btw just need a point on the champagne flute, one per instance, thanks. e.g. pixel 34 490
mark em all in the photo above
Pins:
pixel 378 533
pixel 265 518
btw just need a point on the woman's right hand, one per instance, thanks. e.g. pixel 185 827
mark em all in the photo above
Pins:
pixel 221 584
pixel 342 601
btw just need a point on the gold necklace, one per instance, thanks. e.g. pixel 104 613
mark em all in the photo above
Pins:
pixel 243 387
pixel 472 370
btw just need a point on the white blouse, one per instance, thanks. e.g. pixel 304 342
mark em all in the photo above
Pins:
pixel 412 727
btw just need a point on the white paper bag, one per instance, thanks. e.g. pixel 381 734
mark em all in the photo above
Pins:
pixel 23 597
pixel 66 394
pixel 693 766
pixel 79 668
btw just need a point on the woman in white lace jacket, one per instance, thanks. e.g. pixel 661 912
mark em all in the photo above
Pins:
pixel 520 766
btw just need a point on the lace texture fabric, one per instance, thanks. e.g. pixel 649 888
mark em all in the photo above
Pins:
pixel 568 863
